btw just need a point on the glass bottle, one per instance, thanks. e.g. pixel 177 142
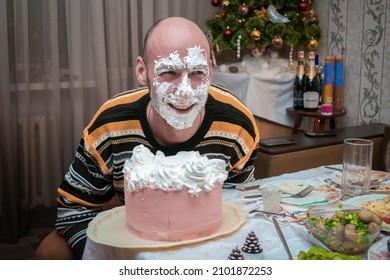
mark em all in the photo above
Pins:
pixel 299 81
pixel 311 86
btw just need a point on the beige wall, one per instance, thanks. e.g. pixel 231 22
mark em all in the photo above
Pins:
pixel 359 30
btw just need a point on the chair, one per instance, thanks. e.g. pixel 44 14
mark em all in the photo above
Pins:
pixel 386 149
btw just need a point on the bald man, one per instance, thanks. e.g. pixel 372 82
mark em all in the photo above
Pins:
pixel 177 108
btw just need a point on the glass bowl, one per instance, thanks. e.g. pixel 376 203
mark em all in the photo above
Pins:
pixel 343 229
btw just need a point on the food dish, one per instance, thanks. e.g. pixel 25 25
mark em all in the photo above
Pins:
pixel 322 194
pixel 378 250
pixel 382 187
pixel 348 230
pixel 109 228
pixel 358 201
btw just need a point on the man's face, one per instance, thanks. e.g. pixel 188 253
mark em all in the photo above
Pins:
pixel 180 86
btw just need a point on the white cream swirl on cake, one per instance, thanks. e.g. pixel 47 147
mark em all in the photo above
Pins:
pixel 173 198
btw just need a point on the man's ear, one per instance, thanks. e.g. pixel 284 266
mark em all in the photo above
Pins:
pixel 140 71
pixel 210 70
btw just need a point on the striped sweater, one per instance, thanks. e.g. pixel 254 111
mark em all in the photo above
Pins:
pixel 228 132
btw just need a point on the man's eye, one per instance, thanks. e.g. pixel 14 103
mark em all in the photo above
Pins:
pixel 168 73
pixel 197 73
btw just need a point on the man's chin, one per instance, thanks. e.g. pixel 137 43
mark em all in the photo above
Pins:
pixel 180 125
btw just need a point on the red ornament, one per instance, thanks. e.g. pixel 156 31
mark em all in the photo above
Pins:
pixel 227 33
pixel 243 9
pixel 277 41
pixel 215 3
pixel 303 6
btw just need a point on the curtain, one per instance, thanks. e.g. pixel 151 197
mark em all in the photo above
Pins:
pixel 60 60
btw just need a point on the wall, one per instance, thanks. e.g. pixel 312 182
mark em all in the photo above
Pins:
pixel 360 31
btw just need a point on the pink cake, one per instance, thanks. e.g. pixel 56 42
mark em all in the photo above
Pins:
pixel 173 198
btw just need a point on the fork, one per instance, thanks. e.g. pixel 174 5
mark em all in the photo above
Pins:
pixel 303 192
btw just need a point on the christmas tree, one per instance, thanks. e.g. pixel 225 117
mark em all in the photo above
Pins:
pixel 248 24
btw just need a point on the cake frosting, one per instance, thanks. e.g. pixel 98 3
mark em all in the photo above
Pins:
pixel 173 198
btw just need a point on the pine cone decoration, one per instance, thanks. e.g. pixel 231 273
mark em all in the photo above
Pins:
pixel 252 245
pixel 235 254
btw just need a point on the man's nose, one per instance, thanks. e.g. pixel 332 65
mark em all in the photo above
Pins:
pixel 185 89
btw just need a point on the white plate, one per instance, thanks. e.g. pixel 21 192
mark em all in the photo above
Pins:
pixel 359 200
pixel 322 193
pixel 384 186
pixel 378 250
pixel 109 228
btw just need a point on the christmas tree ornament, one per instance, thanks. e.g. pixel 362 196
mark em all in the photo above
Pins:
pixel 313 43
pixel 239 46
pixel 218 16
pixel 262 14
pixel 210 37
pixel 291 60
pixel 277 41
pixel 243 9
pixel 303 5
pixel 274 16
pixel 225 3
pixel 228 33
pixel 255 34
pixel 311 16
pixel 215 3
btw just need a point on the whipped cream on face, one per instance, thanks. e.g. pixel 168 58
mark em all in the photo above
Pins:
pixel 185 169
pixel 189 92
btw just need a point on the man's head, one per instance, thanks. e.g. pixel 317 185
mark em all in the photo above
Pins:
pixel 177 69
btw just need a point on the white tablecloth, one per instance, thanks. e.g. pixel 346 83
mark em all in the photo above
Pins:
pixel 220 248
pixel 267 93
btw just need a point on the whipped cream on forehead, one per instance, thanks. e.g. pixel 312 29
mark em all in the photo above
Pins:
pixel 185 169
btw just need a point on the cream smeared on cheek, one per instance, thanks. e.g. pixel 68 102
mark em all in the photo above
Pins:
pixel 179 104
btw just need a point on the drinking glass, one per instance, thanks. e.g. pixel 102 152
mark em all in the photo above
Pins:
pixel 357 161
pixel 271 199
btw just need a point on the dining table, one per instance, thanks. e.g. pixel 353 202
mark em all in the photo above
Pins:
pixel 108 237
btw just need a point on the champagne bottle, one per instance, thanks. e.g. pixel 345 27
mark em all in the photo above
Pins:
pixel 311 86
pixel 298 82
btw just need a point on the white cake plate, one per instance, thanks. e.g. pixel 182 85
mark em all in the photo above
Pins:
pixel 109 228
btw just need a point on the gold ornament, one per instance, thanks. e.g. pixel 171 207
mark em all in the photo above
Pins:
pixel 255 34
pixel 309 16
pixel 225 3
pixel 313 44
pixel 218 16
pixel 262 14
